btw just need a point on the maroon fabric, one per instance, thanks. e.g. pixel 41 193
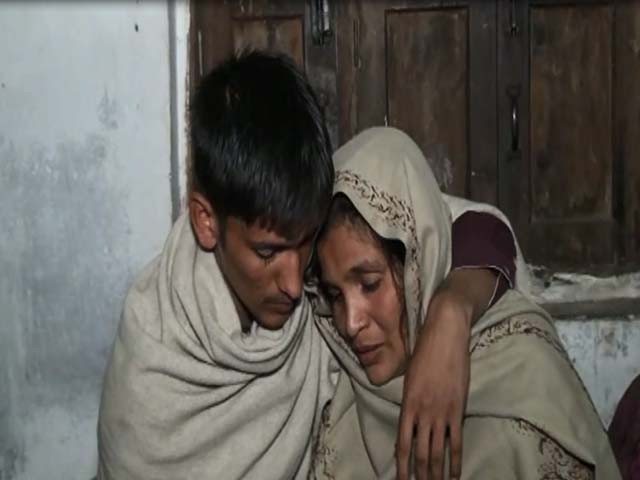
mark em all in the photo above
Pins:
pixel 480 240
pixel 624 432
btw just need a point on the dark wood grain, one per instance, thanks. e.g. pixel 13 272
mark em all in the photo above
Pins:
pixel 427 72
pixel 444 72
pixel 221 27
pixel 483 114
pixel 277 34
pixel 571 90
pixel 627 131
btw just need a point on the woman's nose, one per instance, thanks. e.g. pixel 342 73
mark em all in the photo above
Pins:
pixel 356 320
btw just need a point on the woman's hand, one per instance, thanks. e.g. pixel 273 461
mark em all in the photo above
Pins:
pixel 437 379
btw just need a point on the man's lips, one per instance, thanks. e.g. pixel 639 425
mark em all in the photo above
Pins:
pixel 282 307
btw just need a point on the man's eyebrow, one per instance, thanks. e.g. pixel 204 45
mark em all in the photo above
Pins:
pixel 284 243
pixel 270 244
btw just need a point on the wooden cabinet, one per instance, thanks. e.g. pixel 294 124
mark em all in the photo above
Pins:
pixel 530 105
pixel 572 186
pixel 290 26
pixel 429 69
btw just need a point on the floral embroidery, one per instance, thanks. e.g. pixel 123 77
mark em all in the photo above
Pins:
pixel 517 326
pixel 555 462
pixel 524 326
pixel 323 454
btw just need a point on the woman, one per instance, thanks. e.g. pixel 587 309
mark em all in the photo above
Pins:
pixel 384 249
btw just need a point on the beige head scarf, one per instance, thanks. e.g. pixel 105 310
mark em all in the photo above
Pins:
pixel 386 177
pixel 188 395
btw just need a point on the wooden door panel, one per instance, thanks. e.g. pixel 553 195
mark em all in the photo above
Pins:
pixel 571 123
pixel 454 73
pixel 575 245
pixel 408 64
pixel 571 150
pixel 562 186
pixel 361 66
pixel 222 27
pixel 482 107
pixel 627 127
pixel 426 59
pixel 281 34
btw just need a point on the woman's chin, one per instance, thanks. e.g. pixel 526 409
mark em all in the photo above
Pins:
pixel 380 374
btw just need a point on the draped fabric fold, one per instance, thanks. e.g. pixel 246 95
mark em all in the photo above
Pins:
pixel 528 415
pixel 188 395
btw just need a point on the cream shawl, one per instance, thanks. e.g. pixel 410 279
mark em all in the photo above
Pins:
pixel 519 370
pixel 188 395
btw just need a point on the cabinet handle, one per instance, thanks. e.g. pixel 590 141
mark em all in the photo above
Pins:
pixel 356 44
pixel 514 93
pixel 514 29
pixel 321 21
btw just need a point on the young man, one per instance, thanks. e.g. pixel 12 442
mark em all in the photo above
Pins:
pixel 218 370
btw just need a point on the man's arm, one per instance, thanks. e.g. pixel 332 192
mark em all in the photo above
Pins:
pixel 437 380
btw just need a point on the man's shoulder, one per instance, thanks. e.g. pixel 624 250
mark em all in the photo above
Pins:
pixel 142 303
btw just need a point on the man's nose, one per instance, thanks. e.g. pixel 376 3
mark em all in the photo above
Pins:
pixel 290 279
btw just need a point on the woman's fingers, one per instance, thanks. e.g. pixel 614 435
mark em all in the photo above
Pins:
pixel 455 447
pixel 437 450
pixel 422 451
pixel 404 442
pixel 430 440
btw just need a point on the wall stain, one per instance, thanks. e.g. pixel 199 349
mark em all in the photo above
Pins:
pixel 65 267
pixel 609 344
pixel 11 462
pixel 108 111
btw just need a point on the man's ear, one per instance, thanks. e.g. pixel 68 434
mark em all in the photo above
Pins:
pixel 204 221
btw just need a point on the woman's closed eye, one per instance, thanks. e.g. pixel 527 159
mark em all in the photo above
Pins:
pixel 370 285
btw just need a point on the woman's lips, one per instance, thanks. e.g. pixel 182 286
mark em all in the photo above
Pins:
pixel 367 354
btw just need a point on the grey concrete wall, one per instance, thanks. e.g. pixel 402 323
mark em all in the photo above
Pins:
pixel 85 200
pixel 606 354
pixel 605 351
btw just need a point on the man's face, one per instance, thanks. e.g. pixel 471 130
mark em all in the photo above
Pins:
pixel 263 269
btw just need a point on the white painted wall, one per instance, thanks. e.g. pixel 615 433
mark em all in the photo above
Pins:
pixel 86 91
pixel 180 68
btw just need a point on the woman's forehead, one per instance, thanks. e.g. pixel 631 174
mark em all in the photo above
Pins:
pixel 348 246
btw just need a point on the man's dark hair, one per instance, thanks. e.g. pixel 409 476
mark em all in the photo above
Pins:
pixel 260 147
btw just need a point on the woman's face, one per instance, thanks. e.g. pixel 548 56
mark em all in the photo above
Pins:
pixel 366 305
